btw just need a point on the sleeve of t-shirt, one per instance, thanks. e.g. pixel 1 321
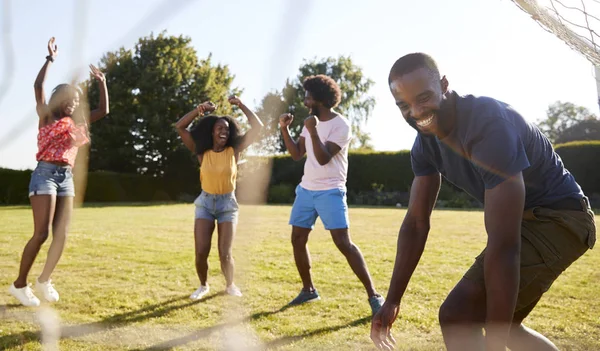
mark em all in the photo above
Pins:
pixel 418 161
pixel 341 135
pixel 304 133
pixel 498 152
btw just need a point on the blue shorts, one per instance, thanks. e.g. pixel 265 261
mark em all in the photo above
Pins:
pixel 330 205
pixel 51 179
pixel 222 208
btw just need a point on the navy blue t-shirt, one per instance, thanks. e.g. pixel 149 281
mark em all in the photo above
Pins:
pixel 491 142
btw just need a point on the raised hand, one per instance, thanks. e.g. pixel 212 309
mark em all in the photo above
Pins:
pixel 52 48
pixel 207 106
pixel 311 123
pixel 234 100
pixel 285 120
pixel 97 74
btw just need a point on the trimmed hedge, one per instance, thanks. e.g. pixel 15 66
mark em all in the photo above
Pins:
pixel 14 186
pixel 374 178
pixel 101 187
pixel 115 187
pixel 367 171
pixel 582 159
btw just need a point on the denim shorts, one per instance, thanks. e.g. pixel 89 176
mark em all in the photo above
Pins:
pixel 51 179
pixel 222 207
pixel 330 205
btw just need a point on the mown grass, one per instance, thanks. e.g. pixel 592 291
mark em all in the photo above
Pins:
pixel 127 272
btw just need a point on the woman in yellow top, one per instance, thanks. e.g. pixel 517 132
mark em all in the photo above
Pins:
pixel 217 142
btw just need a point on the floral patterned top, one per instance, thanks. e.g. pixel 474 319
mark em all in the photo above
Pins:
pixel 59 141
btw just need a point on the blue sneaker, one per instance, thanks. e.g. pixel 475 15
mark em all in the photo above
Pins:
pixel 305 296
pixel 376 301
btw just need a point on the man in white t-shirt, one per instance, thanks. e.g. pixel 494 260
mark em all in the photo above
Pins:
pixel 324 139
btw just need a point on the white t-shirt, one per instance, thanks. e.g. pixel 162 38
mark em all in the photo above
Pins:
pixel 333 174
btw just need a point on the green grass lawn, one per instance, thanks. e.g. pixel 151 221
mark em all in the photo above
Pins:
pixel 127 272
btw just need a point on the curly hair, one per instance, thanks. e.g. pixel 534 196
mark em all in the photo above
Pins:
pixel 202 133
pixel 323 89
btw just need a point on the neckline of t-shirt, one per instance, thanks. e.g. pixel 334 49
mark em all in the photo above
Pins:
pixel 329 120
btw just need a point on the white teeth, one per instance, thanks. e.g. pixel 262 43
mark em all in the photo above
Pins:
pixel 425 122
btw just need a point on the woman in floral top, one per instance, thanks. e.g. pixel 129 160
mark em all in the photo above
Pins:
pixel 62 129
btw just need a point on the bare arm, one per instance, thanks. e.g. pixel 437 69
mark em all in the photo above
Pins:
pixel 40 95
pixel 256 124
pixel 38 86
pixel 413 233
pixel 103 108
pixel 182 124
pixel 503 215
pixel 296 149
pixel 411 243
pixel 323 152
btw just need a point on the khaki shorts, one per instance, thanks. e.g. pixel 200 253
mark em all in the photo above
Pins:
pixel 550 241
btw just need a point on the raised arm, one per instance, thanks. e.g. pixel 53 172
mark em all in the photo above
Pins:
pixel 296 149
pixel 103 108
pixel 410 246
pixel 182 124
pixel 38 86
pixel 255 124
pixel 325 152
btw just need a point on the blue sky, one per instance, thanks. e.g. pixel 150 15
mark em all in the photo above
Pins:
pixel 484 47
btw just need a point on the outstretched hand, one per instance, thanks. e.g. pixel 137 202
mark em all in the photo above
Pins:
pixel 52 48
pixel 381 326
pixel 97 74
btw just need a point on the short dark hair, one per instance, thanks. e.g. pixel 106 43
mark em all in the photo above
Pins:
pixel 202 133
pixel 410 63
pixel 323 89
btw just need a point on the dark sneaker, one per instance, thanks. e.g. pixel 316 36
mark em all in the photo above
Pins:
pixel 305 296
pixel 376 301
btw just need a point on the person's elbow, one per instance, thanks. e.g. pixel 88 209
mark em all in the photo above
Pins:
pixel 324 160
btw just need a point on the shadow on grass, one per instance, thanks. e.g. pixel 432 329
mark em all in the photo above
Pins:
pixel 131 204
pixel 114 321
pixel 293 338
pixel 206 332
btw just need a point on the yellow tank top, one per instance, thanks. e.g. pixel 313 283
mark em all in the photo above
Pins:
pixel 218 171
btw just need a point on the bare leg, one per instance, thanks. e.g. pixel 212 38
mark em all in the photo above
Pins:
pixel 462 316
pixel 523 338
pixel 60 226
pixel 341 238
pixel 43 211
pixel 302 256
pixel 226 235
pixel 203 230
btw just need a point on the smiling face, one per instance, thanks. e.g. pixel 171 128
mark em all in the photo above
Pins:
pixel 420 95
pixel 220 133
pixel 311 104
pixel 69 105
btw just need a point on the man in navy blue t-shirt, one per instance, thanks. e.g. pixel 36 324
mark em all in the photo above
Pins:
pixel 537 219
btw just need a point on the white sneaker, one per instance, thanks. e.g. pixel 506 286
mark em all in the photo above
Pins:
pixel 47 289
pixel 24 295
pixel 198 294
pixel 233 290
